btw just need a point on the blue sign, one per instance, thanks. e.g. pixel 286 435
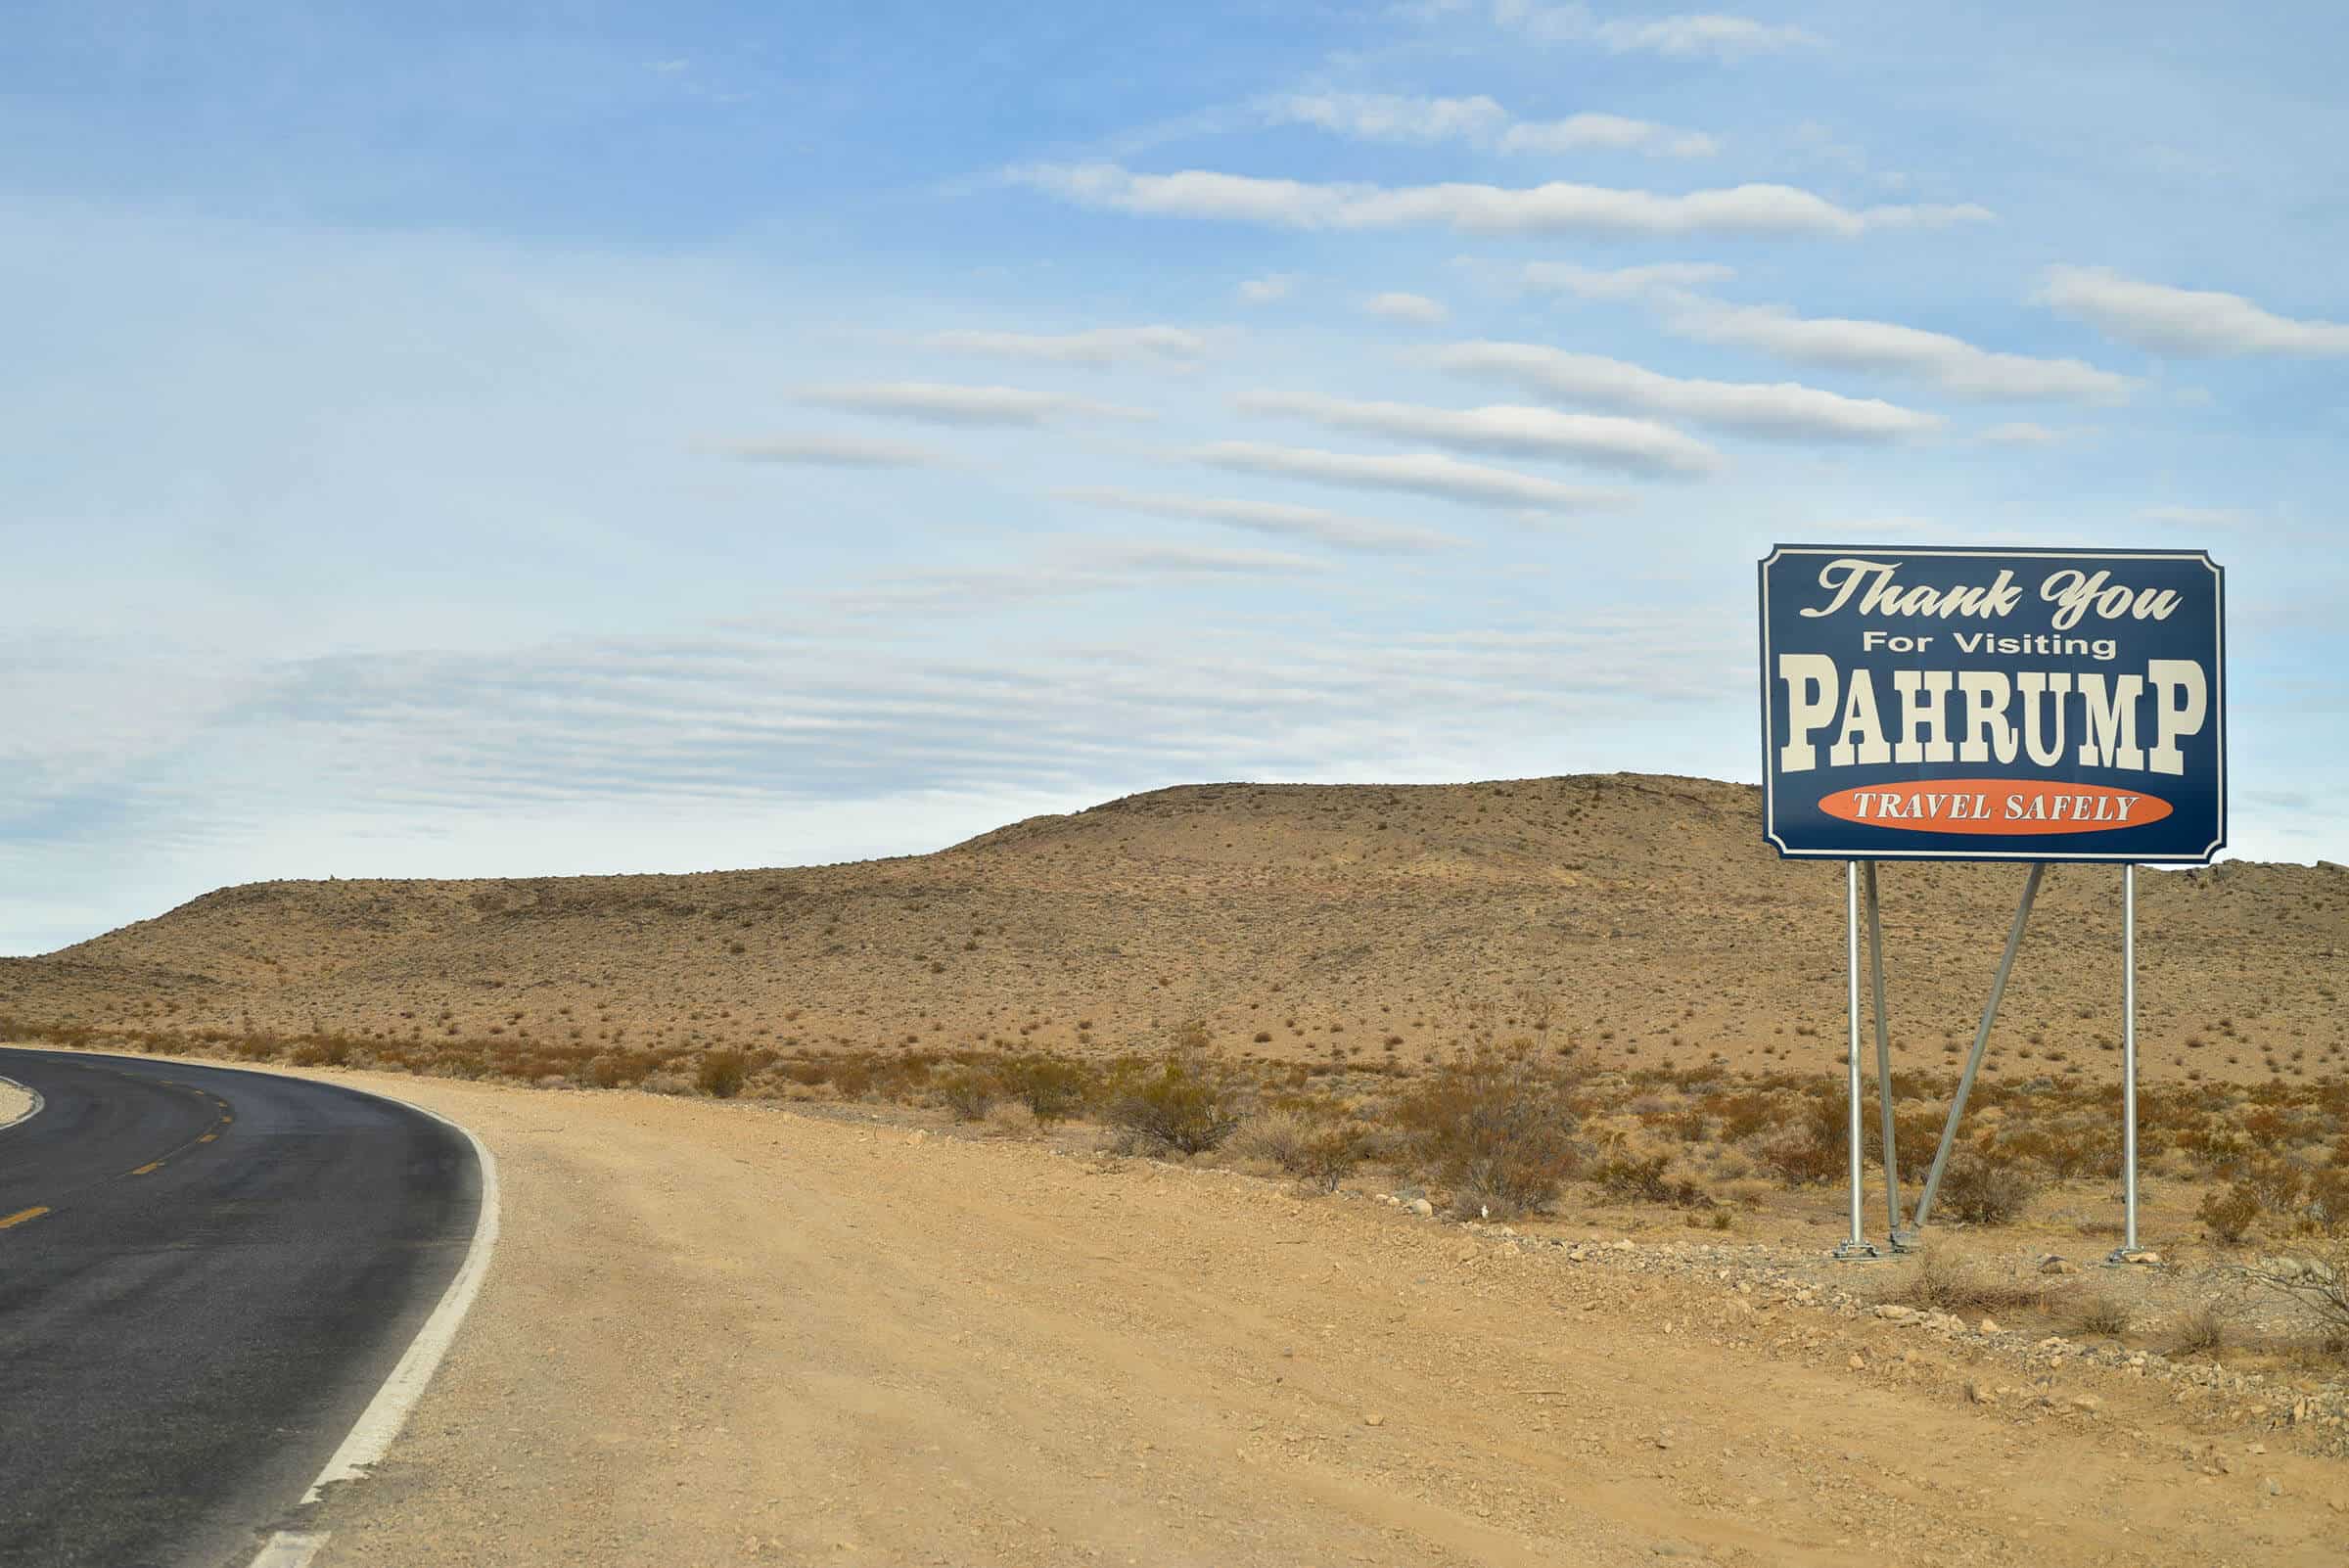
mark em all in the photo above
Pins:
pixel 1994 705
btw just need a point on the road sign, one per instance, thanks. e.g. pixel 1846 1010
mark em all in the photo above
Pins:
pixel 1994 705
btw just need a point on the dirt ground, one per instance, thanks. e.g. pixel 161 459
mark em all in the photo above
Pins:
pixel 721 1334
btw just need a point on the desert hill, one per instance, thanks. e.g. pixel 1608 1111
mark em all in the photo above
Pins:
pixel 1635 917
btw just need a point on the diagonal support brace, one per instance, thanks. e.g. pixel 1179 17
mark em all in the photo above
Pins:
pixel 1973 1060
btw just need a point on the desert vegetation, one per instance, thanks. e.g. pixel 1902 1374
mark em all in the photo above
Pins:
pixel 1499 1127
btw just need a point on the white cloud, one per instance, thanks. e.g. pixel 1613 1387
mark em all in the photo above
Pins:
pixel 1609 133
pixel 1097 347
pixel 1778 409
pixel 1557 208
pixel 1394 117
pixel 1414 307
pixel 1419 473
pixel 830 450
pixel 1389 117
pixel 1686 37
pixel 1952 364
pixel 2194 322
pixel 1639 446
pixel 938 402
pixel 1188 560
pixel 2024 433
pixel 1621 283
pixel 1269 288
pixel 2197 517
pixel 1282 520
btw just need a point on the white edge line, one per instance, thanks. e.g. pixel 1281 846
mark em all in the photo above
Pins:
pixel 380 1422
pixel 388 1410
pixel 30 1111
pixel 290 1548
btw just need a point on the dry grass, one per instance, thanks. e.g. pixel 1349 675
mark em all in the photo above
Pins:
pixel 1940 1282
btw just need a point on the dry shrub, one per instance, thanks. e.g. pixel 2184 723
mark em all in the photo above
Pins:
pixel 2102 1313
pixel 1277 1137
pixel 1981 1190
pixel 1186 1104
pixel 720 1074
pixel 1321 1150
pixel 1941 1283
pixel 2314 1279
pixel 1011 1118
pixel 969 1093
pixel 1052 1089
pixel 1816 1149
pixel 2202 1332
pixel 617 1070
pixel 1497 1129
pixel 322 1051
pixel 2231 1213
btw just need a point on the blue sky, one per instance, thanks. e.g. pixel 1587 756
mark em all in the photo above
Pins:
pixel 485 439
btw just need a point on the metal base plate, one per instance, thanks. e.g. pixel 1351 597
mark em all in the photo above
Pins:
pixel 1858 1252
pixel 1906 1239
pixel 2132 1255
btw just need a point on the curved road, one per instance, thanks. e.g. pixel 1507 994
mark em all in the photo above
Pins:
pixel 204 1276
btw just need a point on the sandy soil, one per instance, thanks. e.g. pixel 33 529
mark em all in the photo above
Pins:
pixel 734 1333
pixel 16 1102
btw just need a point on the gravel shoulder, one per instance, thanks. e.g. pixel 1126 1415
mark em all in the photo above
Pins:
pixel 735 1333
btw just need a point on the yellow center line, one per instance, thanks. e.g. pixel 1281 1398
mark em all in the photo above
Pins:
pixel 208 1137
pixel 21 1215
pixel 143 1168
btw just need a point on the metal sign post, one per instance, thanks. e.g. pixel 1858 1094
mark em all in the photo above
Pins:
pixel 2128 1251
pixel 1858 1245
pixel 1943 704
pixel 1875 973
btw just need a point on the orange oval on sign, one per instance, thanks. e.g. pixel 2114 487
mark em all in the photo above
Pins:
pixel 2003 805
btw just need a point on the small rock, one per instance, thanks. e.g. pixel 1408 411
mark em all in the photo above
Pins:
pixel 2086 1401
pixel 2052 1264
pixel 1990 1326
pixel 1373 1418
pixel 1976 1394
pixel 1897 1314
pixel 1623 1246
pixel 1423 1208
pixel 2146 1260
pixel 2270 1486
pixel 1857 1362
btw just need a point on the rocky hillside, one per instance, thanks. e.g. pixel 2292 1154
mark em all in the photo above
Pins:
pixel 1638 917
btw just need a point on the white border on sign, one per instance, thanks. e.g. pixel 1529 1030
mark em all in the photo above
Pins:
pixel 1769 803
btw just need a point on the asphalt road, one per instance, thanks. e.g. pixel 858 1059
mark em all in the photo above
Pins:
pixel 204 1276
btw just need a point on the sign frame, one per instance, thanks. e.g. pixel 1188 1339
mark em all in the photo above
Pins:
pixel 2000 847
